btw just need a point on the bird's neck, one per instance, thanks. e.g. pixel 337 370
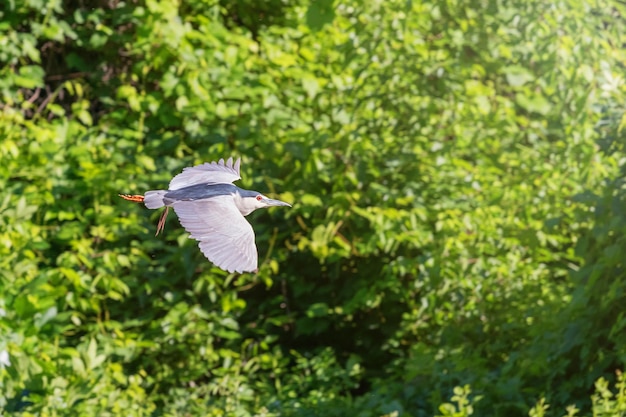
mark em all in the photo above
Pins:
pixel 245 205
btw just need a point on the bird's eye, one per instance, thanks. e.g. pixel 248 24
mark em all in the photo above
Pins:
pixel 259 198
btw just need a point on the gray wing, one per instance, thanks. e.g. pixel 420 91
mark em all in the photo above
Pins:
pixel 225 236
pixel 208 173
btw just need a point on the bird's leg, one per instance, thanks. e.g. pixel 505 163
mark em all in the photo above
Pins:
pixel 161 224
pixel 139 199
pixel 134 198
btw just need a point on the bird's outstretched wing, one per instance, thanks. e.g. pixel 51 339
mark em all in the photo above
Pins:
pixel 225 236
pixel 208 173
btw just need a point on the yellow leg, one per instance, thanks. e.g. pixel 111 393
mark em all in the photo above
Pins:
pixel 139 199
pixel 161 224
pixel 134 198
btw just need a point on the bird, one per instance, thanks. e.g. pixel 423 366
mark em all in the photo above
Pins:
pixel 212 209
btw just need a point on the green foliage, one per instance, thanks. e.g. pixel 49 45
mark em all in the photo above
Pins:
pixel 456 169
pixel 463 407
pixel 604 402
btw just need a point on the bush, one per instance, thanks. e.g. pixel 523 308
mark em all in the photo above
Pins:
pixel 455 169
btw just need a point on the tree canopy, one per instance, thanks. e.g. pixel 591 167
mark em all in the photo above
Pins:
pixel 457 238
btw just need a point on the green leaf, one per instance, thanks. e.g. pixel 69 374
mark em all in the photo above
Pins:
pixel 320 13
pixel 517 76
pixel 534 103
pixel 30 76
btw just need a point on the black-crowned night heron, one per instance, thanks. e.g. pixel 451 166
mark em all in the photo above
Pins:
pixel 212 210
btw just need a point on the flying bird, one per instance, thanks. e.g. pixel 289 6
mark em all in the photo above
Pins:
pixel 212 210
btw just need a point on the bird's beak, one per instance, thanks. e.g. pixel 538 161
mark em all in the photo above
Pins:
pixel 271 202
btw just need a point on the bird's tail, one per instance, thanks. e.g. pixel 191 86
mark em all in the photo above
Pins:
pixel 154 199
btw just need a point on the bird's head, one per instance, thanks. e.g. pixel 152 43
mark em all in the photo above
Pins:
pixel 252 200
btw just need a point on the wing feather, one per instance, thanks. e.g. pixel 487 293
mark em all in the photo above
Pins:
pixel 225 237
pixel 219 172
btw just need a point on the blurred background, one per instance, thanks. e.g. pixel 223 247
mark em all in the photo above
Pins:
pixel 456 242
